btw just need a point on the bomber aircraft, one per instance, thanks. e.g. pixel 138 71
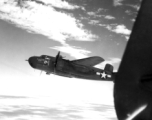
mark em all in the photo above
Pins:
pixel 133 82
pixel 81 68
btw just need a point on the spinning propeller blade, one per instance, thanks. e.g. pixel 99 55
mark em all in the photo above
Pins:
pixel 56 59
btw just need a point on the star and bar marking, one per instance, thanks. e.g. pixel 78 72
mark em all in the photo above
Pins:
pixel 103 75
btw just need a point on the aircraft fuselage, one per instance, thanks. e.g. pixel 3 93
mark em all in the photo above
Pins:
pixel 68 68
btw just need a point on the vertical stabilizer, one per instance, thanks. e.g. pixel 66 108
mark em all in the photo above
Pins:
pixel 108 68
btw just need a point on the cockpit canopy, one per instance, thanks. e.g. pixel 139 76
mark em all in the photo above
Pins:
pixel 44 60
pixel 44 56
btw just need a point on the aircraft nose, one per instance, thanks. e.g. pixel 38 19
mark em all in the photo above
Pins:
pixel 32 61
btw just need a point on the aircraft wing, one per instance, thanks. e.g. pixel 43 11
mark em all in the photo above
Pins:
pixel 90 61
pixel 133 82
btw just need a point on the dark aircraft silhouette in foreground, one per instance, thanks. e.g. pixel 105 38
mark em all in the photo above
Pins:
pixel 81 68
pixel 133 82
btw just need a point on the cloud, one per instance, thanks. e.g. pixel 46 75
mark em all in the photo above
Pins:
pixel 91 13
pixel 114 60
pixel 94 14
pixel 73 51
pixel 93 22
pixel 109 17
pixel 119 29
pixel 101 10
pixel 42 109
pixel 133 20
pixel 62 4
pixel 117 2
pixel 54 3
pixel 129 12
pixel 45 20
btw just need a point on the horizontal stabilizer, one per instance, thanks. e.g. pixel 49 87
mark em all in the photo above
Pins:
pixel 90 61
pixel 108 68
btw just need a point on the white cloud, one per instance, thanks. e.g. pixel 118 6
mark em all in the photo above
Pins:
pixel 25 117
pixel 101 9
pixel 115 60
pixel 91 13
pixel 94 14
pixel 93 22
pixel 45 20
pixel 121 29
pixel 61 4
pixel 133 20
pixel 73 51
pixel 117 2
pixel 129 12
pixel 65 102
pixel 109 17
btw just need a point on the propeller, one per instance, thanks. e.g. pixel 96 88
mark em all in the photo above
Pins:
pixel 56 59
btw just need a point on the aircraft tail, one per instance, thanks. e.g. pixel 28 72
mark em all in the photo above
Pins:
pixel 108 68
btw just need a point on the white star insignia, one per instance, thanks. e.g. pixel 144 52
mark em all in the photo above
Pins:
pixel 103 75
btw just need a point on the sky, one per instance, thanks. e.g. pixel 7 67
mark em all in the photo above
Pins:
pixel 77 28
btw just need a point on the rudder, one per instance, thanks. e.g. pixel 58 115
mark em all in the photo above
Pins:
pixel 108 68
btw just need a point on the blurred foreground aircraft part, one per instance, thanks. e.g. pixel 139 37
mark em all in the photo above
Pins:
pixel 136 112
pixel 133 82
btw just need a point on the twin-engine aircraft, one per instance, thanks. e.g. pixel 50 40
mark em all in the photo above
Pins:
pixel 133 82
pixel 81 68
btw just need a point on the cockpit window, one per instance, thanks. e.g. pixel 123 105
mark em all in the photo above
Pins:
pixel 40 59
pixel 43 56
pixel 44 61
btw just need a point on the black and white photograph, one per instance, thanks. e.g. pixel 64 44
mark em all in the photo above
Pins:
pixel 75 60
